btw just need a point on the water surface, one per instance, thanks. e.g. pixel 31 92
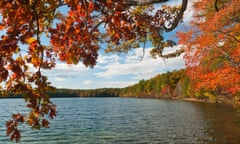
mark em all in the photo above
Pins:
pixel 127 120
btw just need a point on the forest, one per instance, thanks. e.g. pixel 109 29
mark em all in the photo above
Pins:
pixel 171 85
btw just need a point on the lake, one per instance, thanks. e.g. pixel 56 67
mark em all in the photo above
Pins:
pixel 129 120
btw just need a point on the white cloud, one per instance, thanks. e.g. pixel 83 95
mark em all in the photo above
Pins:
pixel 64 70
pixel 188 14
pixel 59 79
pixel 116 84
pixel 87 82
pixel 74 68
pixel 107 58
pixel 63 74
pixel 144 69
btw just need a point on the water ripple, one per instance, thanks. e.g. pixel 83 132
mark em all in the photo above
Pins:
pixel 131 121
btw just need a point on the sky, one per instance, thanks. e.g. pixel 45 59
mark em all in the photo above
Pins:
pixel 118 70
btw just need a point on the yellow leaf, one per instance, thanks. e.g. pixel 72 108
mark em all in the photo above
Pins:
pixel 238 37
pixel 30 40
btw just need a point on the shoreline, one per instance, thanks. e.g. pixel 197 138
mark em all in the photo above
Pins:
pixel 170 98
pixel 194 100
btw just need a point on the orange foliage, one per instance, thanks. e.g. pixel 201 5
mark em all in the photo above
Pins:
pixel 212 54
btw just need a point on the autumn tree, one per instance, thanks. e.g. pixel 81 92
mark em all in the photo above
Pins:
pixel 35 34
pixel 213 47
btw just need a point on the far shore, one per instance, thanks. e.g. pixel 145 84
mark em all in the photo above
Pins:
pixel 193 99
pixel 170 98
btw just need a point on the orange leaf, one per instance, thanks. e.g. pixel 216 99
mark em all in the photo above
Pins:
pixel 30 40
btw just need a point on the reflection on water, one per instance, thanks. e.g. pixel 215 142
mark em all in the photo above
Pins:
pixel 223 123
pixel 126 120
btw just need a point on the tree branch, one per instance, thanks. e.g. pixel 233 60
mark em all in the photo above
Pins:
pixel 173 54
pixel 144 46
pixel 232 61
pixel 216 5
pixel 143 2
pixel 179 16
pixel 229 35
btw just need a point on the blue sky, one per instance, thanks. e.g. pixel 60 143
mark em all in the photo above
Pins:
pixel 112 70
pixel 116 69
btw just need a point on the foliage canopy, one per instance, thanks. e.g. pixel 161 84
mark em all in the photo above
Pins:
pixel 35 34
pixel 213 47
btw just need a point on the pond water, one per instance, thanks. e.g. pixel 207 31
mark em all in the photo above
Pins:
pixel 129 120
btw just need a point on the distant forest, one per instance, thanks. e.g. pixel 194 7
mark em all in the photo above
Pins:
pixel 173 85
pixel 162 85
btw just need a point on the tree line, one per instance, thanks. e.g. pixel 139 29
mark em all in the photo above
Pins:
pixel 174 84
